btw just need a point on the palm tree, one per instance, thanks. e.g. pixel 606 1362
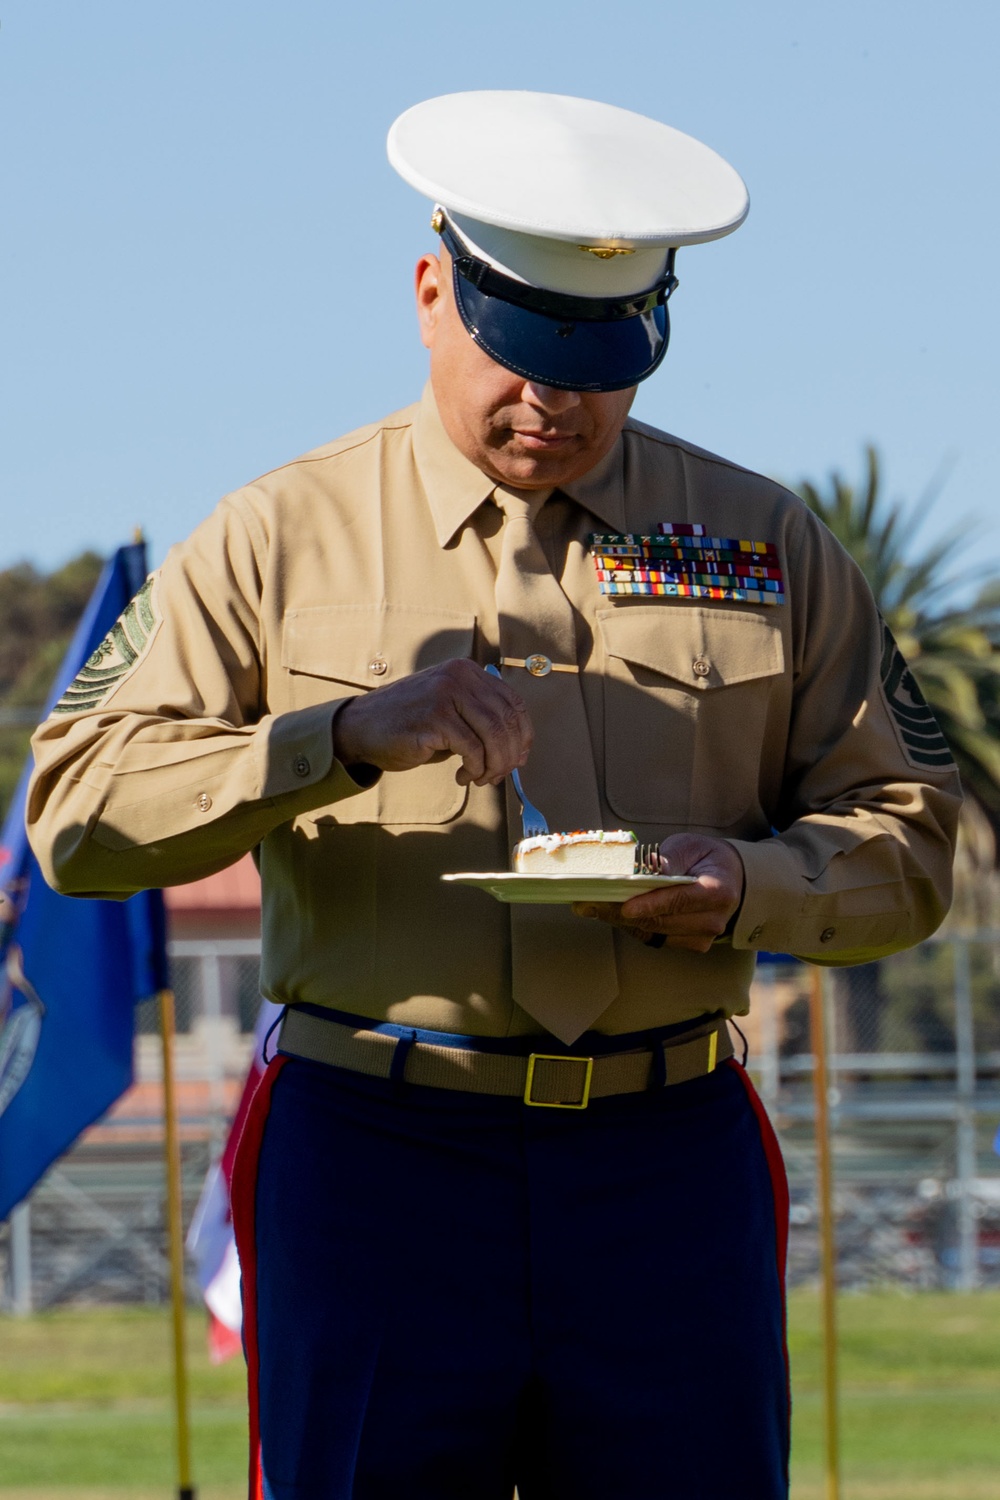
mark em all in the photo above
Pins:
pixel 953 649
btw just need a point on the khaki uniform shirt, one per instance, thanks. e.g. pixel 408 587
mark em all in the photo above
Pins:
pixel 209 732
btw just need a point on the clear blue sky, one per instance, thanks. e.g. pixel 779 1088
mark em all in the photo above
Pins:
pixel 206 259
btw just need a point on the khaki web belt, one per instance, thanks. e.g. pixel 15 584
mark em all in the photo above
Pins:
pixel 553 1080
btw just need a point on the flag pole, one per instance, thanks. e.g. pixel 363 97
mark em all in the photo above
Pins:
pixel 824 1163
pixel 185 1490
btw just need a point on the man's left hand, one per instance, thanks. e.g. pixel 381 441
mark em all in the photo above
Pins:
pixel 687 916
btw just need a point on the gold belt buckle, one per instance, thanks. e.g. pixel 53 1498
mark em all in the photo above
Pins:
pixel 536 1057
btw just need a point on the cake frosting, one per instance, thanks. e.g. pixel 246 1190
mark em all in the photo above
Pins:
pixel 598 851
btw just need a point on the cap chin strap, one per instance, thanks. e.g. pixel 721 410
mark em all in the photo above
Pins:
pixel 561 305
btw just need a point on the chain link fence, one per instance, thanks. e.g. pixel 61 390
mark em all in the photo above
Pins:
pixel 914 1071
pixel 914 1064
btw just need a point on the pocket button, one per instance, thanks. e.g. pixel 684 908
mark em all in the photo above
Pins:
pixel 701 667
pixel 378 666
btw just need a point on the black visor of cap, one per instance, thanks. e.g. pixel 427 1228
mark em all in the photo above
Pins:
pixel 575 344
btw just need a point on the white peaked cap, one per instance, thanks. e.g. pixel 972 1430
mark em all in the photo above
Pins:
pixel 561 217
pixel 535 182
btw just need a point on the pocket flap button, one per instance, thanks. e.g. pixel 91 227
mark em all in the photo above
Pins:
pixel 378 665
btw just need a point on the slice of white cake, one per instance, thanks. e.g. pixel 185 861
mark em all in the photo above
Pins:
pixel 597 852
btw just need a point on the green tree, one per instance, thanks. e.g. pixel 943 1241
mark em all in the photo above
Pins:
pixel 38 614
pixel 952 648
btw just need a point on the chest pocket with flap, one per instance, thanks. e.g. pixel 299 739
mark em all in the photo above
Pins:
pixel 338 650
pixel 686 692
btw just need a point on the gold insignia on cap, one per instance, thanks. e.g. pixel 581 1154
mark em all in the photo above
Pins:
pixel 605 252
pixel 437 221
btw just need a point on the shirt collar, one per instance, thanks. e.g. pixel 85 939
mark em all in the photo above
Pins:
pixel 602 489
pixel 455 488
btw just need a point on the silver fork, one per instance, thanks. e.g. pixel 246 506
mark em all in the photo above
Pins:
pixel 647 860
pixel 532 822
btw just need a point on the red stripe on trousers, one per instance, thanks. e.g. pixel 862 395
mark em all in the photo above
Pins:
pixel 243 1196
pixel 779 1189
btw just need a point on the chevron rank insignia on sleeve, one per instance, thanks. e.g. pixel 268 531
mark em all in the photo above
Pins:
pixel 919 732
pixel 120 652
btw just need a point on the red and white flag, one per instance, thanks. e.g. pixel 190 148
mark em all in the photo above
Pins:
pixel 210 1240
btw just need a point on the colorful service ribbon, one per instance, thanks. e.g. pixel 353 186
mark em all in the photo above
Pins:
pixel 682 562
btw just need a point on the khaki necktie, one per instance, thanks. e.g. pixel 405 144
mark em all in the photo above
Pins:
pixel 564 971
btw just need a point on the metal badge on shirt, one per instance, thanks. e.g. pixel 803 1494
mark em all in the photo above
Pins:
pixel 684 563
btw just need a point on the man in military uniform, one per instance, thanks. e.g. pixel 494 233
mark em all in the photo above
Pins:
pixel 508 1210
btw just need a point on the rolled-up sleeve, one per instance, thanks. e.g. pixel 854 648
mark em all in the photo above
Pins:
pixel 179 769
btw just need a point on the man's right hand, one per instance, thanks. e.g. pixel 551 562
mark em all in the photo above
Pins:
pixel 454 709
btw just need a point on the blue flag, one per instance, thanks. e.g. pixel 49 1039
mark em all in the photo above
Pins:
pixel 71 970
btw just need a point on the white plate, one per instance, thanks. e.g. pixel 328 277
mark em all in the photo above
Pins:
pixel 561 890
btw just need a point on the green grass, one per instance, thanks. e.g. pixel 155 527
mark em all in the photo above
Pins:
pixel 920 1396
pixel 85 1408
pixel 103 1356
pixel 85 1403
